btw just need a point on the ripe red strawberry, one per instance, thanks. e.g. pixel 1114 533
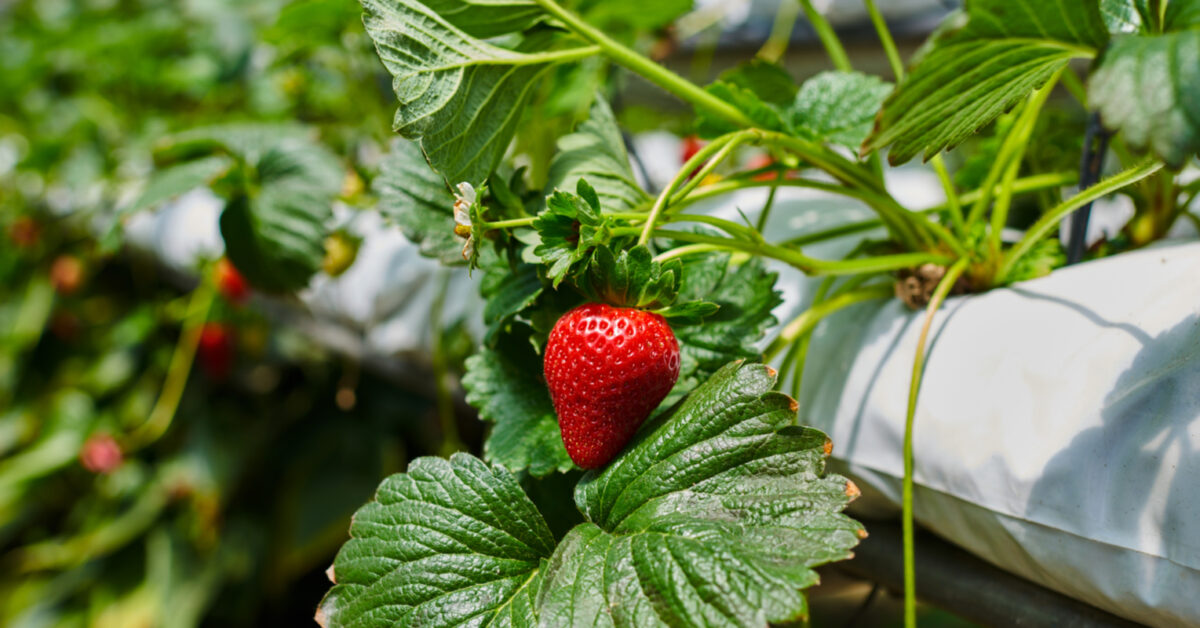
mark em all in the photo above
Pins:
pixel 230 282
pixel 607 369
pixel 215 350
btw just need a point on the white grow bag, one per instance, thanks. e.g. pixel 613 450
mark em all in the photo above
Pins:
pixel 1058 428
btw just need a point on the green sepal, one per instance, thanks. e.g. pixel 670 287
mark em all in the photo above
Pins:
pixel 632 278
pixel 570 229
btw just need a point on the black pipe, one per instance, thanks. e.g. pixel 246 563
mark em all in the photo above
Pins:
pixel 1095 145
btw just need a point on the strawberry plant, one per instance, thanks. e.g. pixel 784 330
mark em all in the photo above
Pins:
pixel 569 236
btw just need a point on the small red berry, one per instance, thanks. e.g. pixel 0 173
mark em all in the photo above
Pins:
pixel 688 149
pixel 100 454
pixel 607 369
pixel 231 284
pixel 66 274
pixel 24 232
pixel 759 162
pixel 215 350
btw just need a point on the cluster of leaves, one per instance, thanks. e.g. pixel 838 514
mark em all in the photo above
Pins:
pixel 993 54
pixel 723 485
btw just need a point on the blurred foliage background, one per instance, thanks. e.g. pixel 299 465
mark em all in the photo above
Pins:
pixel 118 509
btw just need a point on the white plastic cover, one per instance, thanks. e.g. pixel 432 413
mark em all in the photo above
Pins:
pixel 1058 429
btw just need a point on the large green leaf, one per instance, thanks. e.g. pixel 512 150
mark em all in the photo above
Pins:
pixel 276 237
pixel 413 196
pixel 1148 88
pixel 715 515
pixel 746 295
pixel 487 18
pixel 276 219
pixel 461 97
pixel 169 183
pixel 1182 15
pixel 967 77
pixel 838 107
pixel 595 151
pixel 505 383
pixel 446 544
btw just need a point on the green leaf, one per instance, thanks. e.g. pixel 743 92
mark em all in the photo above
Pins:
pixel 487 18
pixel 969 76
pixel 838 107
pixel 634 14
pixel 461 97
pixel 691 312
pixel 1148 88
pixel 595 151
pixel 570 229
pixel 447 543
pixel 506 385
pixel 1182 15
pixel 1120 16
pixel 276 151
pixel 168 183
pixel 1044 257
pixel 508 292
pixel 275 221
pixel 715 515
pixel 763 91
pixel 746 295
pixel 413 196
pixel 277 237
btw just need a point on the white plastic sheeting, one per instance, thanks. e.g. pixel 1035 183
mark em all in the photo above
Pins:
pixel 1058 429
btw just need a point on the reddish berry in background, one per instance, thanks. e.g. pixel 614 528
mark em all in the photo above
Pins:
pixel 100 454
pixel 688 149
pixel 762 161
pixel 215 350
pixel 66 274
pixel 607 369
pixel 231 284
pixel 24 232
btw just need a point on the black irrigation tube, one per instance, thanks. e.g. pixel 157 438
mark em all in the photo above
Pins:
pixel 1095 144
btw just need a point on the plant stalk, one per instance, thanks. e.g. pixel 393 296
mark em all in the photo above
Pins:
pixel 652 71
pixel 910 573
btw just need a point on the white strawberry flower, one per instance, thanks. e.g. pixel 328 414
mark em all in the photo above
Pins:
pixel 463 200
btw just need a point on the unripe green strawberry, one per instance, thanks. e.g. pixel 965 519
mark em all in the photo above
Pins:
pixel 607 369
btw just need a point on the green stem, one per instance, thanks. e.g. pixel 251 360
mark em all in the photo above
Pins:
pixel 1050 220
pixel 685 250
pixel 177 371
pixel 809 265
pixel 781 32
pixel 807 320
pixel 708 167
pixel 766 210
pixel 910 574
pixel 737 230
pixel 952 200
pixel 701 156
pixel 829 39
pixel 885 38
pixel 109 537
pixel 1074 85
pixel 555 56
pixel 510 224
pixel 441 392
pixel 1023 131
pixel 652 71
